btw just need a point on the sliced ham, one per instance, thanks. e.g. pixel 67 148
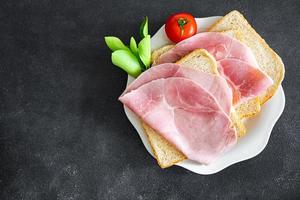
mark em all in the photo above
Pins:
pixel 245 80
pixel 184 113
pixel 214 84
pixel 236 62
pixel 220 45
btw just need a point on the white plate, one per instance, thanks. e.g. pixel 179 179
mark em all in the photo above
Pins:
pixel 259 128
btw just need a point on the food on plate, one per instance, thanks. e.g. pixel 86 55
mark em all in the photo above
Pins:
pixel 215 85
pixel 144 28
pixel 220 45
pixel 144 51
pixel 115 43
pixel 133 47
pixel 127 61
pixel 193 99
pixel 267 59
pixel 244 109
pixel 165 153
pixel 187 107
pixel 230 55
pixel 241 77
pixel 248 108
pixel 134 58
pixel 180 26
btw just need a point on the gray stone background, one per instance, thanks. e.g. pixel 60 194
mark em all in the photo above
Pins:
pixel 64 135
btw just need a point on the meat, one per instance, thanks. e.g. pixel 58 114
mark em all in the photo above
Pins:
pixel 185 114
pixel 245 80
pixel 214 84
pixel 236 63
pixel 190 108
pixel 219 45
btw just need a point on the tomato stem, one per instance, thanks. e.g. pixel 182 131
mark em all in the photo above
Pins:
pixel 181 22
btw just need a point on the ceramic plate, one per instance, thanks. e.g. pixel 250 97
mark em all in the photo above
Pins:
pixel 259 128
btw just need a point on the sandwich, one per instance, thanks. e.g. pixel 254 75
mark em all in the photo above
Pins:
pixel 194 98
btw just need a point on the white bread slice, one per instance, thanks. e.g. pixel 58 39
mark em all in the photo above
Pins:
pixel 157 52
pixel 267 59
pixel 201 60
pixel 165 153
pixel 249 108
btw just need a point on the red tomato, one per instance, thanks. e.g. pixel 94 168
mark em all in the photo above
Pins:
pixel 180 26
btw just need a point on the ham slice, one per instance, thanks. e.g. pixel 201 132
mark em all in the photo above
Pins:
pixel 236 62
pixel 220 45
pixel 245 80
pixel 213 84
pixel 184 113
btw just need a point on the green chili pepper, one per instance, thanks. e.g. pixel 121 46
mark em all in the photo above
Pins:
pixel 133 46
pixel 126 61
pixel 144 28
pixel 115 43
pixel 145 51
pixel 135 59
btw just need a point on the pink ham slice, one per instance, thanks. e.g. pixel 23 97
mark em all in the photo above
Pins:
pixel 185 114
pixel 236 63
pixel 245 80
pixel 214 84
pixel 220 45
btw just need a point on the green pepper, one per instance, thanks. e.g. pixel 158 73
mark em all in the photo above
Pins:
pixel 144 28
pixel 126 61
pixel 133 46
pixel 135 58
pixel 115 43
pixel 145 51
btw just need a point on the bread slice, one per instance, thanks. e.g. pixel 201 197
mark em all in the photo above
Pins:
pixel 249 108
pixel 165 153
pixel 156 53
pixel 267 59
pixel 201 60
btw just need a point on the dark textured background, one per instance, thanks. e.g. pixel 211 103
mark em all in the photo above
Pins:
pixel 64 135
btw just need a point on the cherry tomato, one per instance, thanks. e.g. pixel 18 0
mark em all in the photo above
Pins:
pixel 180 26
